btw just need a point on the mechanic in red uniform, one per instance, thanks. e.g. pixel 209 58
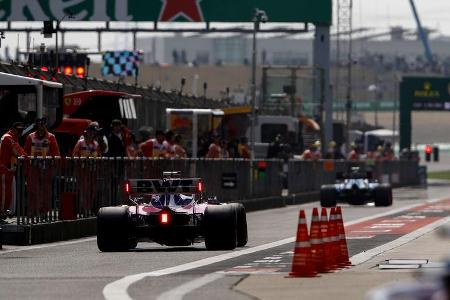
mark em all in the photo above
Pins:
pixel 214 150
pixel 88 146
pixel 353 155
pixel 178 149
pixel 10 149
pixel 86 172
pixel 40 143
pixel 168 144
pixel 153 147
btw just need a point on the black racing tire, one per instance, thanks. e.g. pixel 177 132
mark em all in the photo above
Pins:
pixel 113 229
pixel 383 195
pixel 220 227
pixel 241 223
pixel 328 196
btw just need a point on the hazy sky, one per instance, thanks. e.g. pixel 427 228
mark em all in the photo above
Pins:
pixel 376 14
pixel 382 14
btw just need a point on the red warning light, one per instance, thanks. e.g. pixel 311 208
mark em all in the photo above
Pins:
pixel 200 186
pixel 164 218
pixel 68 70
pixel 80 71
pixel 428 149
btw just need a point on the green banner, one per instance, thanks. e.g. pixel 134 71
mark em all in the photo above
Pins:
pixel 358 105
pixel 317 11
pixel 426 93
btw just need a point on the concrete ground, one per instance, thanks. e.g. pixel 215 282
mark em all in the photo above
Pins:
pixel 267 287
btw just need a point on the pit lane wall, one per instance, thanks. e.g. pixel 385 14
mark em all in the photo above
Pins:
pixel 57 198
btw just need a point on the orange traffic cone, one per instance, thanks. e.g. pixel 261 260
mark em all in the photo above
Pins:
pixel 345 262
pixel 317 248
pixel 334 236
pixel 302 263
pixel 329 258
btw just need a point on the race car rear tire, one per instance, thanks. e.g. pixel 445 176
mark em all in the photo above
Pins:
pixel 220 227
pixel 383 195
pixel 328 196
pixel 113 229
pixel 241 223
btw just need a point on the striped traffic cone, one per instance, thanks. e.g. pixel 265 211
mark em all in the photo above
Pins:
pixel 302 263
pixel 334 236
pixel 345 261
pixel 317 248
pixel 330 260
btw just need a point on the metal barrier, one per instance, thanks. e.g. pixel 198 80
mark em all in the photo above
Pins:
pixel 51 189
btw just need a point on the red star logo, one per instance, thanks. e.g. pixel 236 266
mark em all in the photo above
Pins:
pixel 189 9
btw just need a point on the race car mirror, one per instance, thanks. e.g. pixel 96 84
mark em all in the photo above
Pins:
pixel 166 186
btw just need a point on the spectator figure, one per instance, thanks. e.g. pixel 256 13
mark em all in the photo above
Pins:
pixel 168 144
pixel 353 155
pixel 153 147
pixel 313 152
pixel 389 152
pixel 129 138
pixel 116 140
pixel 10 150
pixel 178 149
pixel 224 149
pixel 316 150
pixel 379 154
pixel 87 145
pixel 41 142
pixel 274 149
pixel 331 150
pixel 214 150
pixel 243 150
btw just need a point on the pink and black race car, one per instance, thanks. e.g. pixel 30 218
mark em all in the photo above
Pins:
pixel 171 211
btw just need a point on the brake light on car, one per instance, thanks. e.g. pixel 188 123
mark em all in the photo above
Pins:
pixel 164 218
pixel 200 186
pixel 127 187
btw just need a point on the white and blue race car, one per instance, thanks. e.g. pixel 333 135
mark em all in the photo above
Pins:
pixel 356 188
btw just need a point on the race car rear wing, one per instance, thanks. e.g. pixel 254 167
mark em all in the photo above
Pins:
pixel 164 186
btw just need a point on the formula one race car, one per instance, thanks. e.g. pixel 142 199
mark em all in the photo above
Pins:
pixel 356 187
pixel 171 211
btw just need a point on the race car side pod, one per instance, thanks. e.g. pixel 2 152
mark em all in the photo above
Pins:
pixel 302 262
pixel 330 259
pixel 345 261
pixel 317 244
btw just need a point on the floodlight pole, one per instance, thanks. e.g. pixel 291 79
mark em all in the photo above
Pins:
pixel 258 17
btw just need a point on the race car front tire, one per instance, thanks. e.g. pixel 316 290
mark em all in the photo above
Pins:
pixel 241 223
pixel 383 195
pixel 220 227
pixel 113 229
pixel 328 196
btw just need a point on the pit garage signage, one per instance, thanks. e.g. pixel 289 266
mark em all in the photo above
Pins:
pixel 426 93
pixel 317 11
pixel 423 94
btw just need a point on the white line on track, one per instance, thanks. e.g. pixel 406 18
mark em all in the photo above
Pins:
pixel 117 290
pixel 179 292
pixel 366 255
pixel 27 248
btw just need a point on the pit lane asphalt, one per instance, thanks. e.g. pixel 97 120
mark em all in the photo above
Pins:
pixel 78 270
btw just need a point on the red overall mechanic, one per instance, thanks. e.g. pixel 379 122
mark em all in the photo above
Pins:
pixel 10 149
